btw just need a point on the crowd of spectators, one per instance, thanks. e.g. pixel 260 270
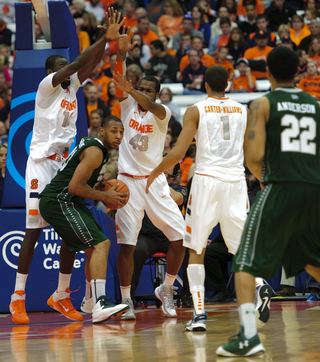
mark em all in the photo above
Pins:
pixel 176 41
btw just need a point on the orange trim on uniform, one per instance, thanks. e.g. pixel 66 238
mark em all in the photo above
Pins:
pixel 57 156
pixel 217 97
pixel 33 212
pixel 139 111
pixel 119 67
pixel 133 176
pixel 188 228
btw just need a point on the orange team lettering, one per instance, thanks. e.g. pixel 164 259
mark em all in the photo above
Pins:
pixel 34 184
pixel 143 128
pixel 224 109
pixel 67 105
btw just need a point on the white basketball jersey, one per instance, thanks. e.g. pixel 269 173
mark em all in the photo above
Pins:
pixel 144 135
pixel 219 139
pixel 56 112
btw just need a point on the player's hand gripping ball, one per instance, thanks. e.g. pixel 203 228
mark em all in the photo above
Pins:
pixel 121 188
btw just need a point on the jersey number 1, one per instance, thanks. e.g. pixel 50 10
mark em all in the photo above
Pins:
pixel 65 122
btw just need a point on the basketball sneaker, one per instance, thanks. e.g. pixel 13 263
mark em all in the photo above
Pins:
pixel 262 302
pixel 61 302
pixel 130 314
pixel 239 345
pixel 18 307
pixel 165 294
pixel 104 310
pixel 87 305
pixel 198 323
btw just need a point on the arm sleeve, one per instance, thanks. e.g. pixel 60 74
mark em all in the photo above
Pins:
pixel 121 68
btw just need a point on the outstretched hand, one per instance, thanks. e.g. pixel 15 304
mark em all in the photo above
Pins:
pixel 112 25
pixel 124 43
pixel 121 82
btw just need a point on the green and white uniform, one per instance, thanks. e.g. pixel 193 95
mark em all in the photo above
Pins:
pixel 66 212
pixel 283 225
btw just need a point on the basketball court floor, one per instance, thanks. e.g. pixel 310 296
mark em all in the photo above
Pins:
pixel 292 334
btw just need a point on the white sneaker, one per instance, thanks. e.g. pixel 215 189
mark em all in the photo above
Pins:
pixel 130 314
pixel 198 323
pixel 87 305
pixel 104 310
pixel 262 304
pixel 165 294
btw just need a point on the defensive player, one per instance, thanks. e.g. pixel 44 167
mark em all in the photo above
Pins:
pixel 282 151
pixel 219 191
pixel 145 123
pixel 53 132
pixel 62 206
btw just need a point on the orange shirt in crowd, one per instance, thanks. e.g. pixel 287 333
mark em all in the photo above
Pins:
pixel 206 59
pixel 106 3
pixel 311 85
pixel 185 165
pixel 102 84
pixel 241 9
pixel 84 41
pixel 225 64
pixel 223 40
pixel 297 39
pixel 169 25
pixel 256 54
pixel 316 58
pixel 130 22
pixel 149 37
pixel 171 52
pixel 116 109
pixel 241 83
pixel 89 110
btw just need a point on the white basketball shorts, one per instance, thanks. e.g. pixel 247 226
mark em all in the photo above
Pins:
pixel 159 206
pixel 38 175
pixel 212 201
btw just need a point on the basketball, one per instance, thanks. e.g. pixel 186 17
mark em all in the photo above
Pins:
pixel 121 188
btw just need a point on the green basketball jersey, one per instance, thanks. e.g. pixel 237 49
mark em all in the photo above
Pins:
pixel 292 138
pixel 58 187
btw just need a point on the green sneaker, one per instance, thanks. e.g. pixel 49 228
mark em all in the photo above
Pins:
pixel 240 346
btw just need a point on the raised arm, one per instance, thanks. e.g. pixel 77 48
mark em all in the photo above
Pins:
pixel 85 63
pixel 190 125
pixel 145 101
pixel 255 136
pixel 90 159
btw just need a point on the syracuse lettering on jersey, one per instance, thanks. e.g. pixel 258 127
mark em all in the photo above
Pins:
pixel 143 128
pixel 223 109
pixel 67 105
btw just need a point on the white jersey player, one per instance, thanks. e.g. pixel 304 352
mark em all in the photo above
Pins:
pixel 53 132
pixel 145 123
pixel 219 192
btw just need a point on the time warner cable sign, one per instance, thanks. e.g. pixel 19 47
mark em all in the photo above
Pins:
pixel 44 271
pixel 49 250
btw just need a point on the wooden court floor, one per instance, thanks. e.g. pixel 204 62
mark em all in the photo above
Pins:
pixel 292 334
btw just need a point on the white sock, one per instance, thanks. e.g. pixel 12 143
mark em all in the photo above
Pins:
pixel 98 287
pixel 196 275
pixel 248 319
pixel 125 292
pixel 169 280
pixel 21 280
pixel 64 282
pixel 88 294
